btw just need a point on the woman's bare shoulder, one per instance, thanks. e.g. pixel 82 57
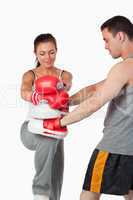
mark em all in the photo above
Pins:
pixel 67 76
pixel 28 75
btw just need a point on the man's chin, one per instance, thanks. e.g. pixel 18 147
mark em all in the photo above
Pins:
pixel 114 56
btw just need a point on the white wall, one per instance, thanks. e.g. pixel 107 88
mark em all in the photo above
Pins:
pixel 75 24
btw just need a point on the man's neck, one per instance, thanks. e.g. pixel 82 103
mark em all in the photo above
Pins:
pixel 127 51
pixel 128 56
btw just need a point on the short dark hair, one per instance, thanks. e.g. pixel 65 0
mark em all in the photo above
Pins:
pixel 119 23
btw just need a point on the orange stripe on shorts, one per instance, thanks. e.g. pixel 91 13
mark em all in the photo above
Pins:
pixel 97 172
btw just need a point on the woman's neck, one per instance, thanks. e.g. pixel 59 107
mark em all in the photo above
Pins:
pixel 41 70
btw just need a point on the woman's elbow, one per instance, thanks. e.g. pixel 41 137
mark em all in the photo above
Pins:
pixel 26 96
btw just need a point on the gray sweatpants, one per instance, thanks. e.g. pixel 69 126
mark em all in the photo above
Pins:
pixel 49 162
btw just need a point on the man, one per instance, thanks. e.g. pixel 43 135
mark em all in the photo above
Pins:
pixel 110 170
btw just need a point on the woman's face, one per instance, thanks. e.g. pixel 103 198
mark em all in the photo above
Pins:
pixel 46 54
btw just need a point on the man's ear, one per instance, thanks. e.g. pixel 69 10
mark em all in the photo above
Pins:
pixel 121 36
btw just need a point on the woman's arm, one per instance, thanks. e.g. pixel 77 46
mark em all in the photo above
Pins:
pixel 67 79
pixel 26 85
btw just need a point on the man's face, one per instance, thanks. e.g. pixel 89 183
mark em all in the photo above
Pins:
pixel 112 43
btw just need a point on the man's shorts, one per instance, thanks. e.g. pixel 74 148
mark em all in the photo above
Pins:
pixel 109 173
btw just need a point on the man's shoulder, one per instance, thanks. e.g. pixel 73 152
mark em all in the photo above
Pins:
pixel 124 67
pixel 120 74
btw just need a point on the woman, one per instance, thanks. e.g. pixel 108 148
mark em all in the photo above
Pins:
pixel 48 151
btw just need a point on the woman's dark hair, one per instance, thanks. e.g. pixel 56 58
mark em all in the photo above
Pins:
pixel 47 37
pixel 119 23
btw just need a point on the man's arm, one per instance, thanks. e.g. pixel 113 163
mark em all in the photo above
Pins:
pixel 84 93
pixel 116 79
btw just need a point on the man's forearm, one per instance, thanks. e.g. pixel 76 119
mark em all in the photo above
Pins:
pixel 80 96
pixel 85 109
pixel 91 102
pixel 85 93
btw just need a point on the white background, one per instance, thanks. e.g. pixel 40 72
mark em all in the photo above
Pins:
pixel 76 26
